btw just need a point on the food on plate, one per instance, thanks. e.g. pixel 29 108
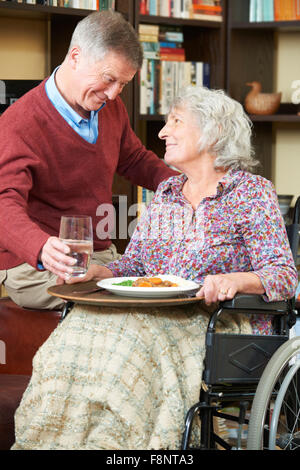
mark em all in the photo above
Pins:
pixel 147 282
pixel 127 283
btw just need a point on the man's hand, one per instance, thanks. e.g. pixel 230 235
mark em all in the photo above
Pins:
pixel 54 258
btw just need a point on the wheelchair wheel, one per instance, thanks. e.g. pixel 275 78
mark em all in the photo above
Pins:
pixel 275 413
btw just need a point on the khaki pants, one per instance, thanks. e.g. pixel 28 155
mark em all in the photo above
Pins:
pixel 27 287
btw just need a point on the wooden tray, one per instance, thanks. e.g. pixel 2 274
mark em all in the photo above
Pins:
pixel 104 298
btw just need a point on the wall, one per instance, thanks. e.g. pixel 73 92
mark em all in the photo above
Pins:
pixel 25 54
pixel 286 164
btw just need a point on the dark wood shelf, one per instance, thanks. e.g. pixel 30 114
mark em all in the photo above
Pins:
pixel 38 11
pixel 266 25
pixel 275 118
pixel 179 21
pixel 253 117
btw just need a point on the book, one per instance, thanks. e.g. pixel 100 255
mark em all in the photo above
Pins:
pixel 165 8
pixel 147 38
pixel 176 8
pixel 149 29
pixel 143 7
pixel 297 9
pixel 172 53
pixel 268 10
pixel 252 11
pixel 210 10
pixel 151 49
pixel 259 10
pixel 143 87
pixel 169 44
pixel 169 33
pixel 277 10
pixel 153 7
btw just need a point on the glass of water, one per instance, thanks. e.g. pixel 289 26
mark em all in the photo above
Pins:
pixel 77 232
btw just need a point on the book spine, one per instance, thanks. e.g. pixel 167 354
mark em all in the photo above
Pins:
pixel 259 10
pixel 252 11
pixel 206 75
pixel 153 7
pixel 143 87
pixel 277 10
pixel 297 8
pixel 268 10
pixel 143 7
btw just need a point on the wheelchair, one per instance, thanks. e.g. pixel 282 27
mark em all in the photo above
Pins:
pixel 251 369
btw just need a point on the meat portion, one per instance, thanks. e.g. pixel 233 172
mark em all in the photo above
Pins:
pixel 152 282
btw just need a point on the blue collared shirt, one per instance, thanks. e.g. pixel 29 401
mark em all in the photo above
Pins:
pixel 86 128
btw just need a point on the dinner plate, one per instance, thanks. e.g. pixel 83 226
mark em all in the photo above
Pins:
pixel 184 286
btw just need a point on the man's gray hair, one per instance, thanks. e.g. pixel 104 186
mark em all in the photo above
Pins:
pixel 107 31
pixel 225 127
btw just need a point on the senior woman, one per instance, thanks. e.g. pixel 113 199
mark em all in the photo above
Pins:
pixel 124 379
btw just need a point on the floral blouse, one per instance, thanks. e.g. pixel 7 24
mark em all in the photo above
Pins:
pixel 239 229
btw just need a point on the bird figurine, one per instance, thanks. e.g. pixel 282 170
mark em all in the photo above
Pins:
pixel 261 103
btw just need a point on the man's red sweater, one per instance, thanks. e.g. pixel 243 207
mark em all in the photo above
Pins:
pixel 47 170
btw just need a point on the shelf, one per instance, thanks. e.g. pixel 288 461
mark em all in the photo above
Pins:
pixel 179 21
pixel 38 11
pixel 253 117
pixel 271 25
pixel 275 118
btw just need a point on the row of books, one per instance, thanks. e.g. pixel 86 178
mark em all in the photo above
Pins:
pixel 163 43
pixel 160 81
pixel 210 10
pixel 82 4
pixel 274 10
pixel 165 69
pixel 156 33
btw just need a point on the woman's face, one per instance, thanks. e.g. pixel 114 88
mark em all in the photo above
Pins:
pixel 181 134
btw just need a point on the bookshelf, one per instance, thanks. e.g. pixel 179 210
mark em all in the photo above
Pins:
pixel 204 41
pixel 252 54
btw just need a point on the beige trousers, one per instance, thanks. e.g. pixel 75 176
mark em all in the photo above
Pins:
pixel 27 287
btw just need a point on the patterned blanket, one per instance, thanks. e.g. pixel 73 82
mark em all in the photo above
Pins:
pixel 114 379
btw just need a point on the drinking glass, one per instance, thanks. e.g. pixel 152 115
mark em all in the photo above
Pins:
pixel 77 232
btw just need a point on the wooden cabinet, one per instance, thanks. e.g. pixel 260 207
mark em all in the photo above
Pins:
pixel 252 55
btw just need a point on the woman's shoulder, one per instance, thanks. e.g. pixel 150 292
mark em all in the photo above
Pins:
pixel 254 184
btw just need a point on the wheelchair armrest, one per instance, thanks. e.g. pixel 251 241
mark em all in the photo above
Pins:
pixel 254 302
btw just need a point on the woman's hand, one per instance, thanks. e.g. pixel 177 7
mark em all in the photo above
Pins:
pixel 220 287
pixel 95 272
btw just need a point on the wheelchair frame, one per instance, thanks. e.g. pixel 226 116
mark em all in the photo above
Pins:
pixel 234 364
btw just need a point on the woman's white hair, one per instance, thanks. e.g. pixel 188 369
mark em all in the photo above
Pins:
pixel 225 127
pixel 107 31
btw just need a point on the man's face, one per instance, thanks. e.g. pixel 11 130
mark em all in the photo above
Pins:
pixel 97 82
